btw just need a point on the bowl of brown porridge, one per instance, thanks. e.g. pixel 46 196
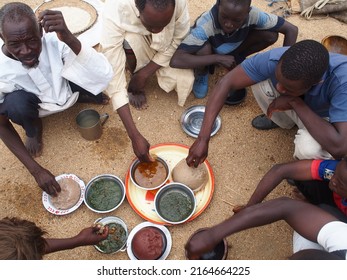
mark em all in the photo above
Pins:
pixel 149 175
pixel 68 199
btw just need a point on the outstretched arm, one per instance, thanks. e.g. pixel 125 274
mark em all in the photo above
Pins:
pixel 139 143
pixel 296 213
pixel 88 236
pixel 233 80
pixel 185 60
pixel 44 178
pixel 297 170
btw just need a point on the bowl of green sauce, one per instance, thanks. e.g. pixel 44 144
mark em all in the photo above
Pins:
pixel 117 235
pixel 104 193
pixel 175 203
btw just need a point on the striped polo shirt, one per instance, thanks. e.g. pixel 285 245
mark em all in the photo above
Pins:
pixel 207 28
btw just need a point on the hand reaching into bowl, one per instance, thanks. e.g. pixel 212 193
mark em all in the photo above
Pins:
pixel 87 236
pixel 200 243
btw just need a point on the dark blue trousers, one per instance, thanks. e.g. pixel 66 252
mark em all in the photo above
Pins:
pixel 22 107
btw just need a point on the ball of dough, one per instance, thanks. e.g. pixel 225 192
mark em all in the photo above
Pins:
pixel 195 178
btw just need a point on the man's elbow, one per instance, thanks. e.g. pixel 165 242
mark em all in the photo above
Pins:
pixel 292 31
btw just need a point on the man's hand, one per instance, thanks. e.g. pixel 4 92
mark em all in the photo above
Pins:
pixel 227 61
pixel 280 104
pixel 92 235
pixel 239 208
pixel 197 153
pixel 200 243
pixel 137 84
pixel 47 182
pixel 141 149
pixel 53 21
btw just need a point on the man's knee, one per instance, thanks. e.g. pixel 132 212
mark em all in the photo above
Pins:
pixel 21 104
pixel 306 147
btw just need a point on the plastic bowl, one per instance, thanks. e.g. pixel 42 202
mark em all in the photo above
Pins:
pixel 104 193
pixel 175 203
pixel 145 175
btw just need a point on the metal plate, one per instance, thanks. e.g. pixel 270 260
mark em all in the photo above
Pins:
pixel 191 121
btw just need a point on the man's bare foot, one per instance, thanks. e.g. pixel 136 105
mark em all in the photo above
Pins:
pixel 100 99
pixel 34 144
pixel 139 101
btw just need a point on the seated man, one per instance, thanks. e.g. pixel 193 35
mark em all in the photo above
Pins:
pixel 302 85
pixel 142 35
pixel 323 229
pixel 320 181
pixel 42 73
pixel 226 35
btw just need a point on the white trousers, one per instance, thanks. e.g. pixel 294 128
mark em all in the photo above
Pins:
pixel 169 79
pixel 306 147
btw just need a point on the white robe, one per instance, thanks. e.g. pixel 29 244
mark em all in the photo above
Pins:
pixel 58 64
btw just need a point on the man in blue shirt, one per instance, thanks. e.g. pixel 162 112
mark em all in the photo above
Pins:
pixel 303 85
pixel 226 35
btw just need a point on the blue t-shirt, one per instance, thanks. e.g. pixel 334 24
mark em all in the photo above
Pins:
pixel 328 98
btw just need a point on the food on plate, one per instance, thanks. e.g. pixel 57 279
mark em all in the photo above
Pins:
pixel 194 178
pixel 69 195
pixel 104 194
pixel 148 243
pixel 115 240
pixel 150 174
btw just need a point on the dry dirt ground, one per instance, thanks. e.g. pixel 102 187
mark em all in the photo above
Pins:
pixel 239 156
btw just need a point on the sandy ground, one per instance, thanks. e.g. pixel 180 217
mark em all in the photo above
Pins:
pixel 239 156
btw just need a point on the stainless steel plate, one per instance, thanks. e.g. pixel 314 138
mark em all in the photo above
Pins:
pixel 191 121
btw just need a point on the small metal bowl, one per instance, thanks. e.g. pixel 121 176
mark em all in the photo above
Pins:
pixel 191 121
pixel 149 169
pixel 175 203
pixel 120 240
pixel 104 193
pixel 335 44
pixel 220 252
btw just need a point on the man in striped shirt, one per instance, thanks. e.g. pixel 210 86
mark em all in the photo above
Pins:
pixel 226 35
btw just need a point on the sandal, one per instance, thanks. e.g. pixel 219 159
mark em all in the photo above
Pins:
pixel 262 122
pixel 236 97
